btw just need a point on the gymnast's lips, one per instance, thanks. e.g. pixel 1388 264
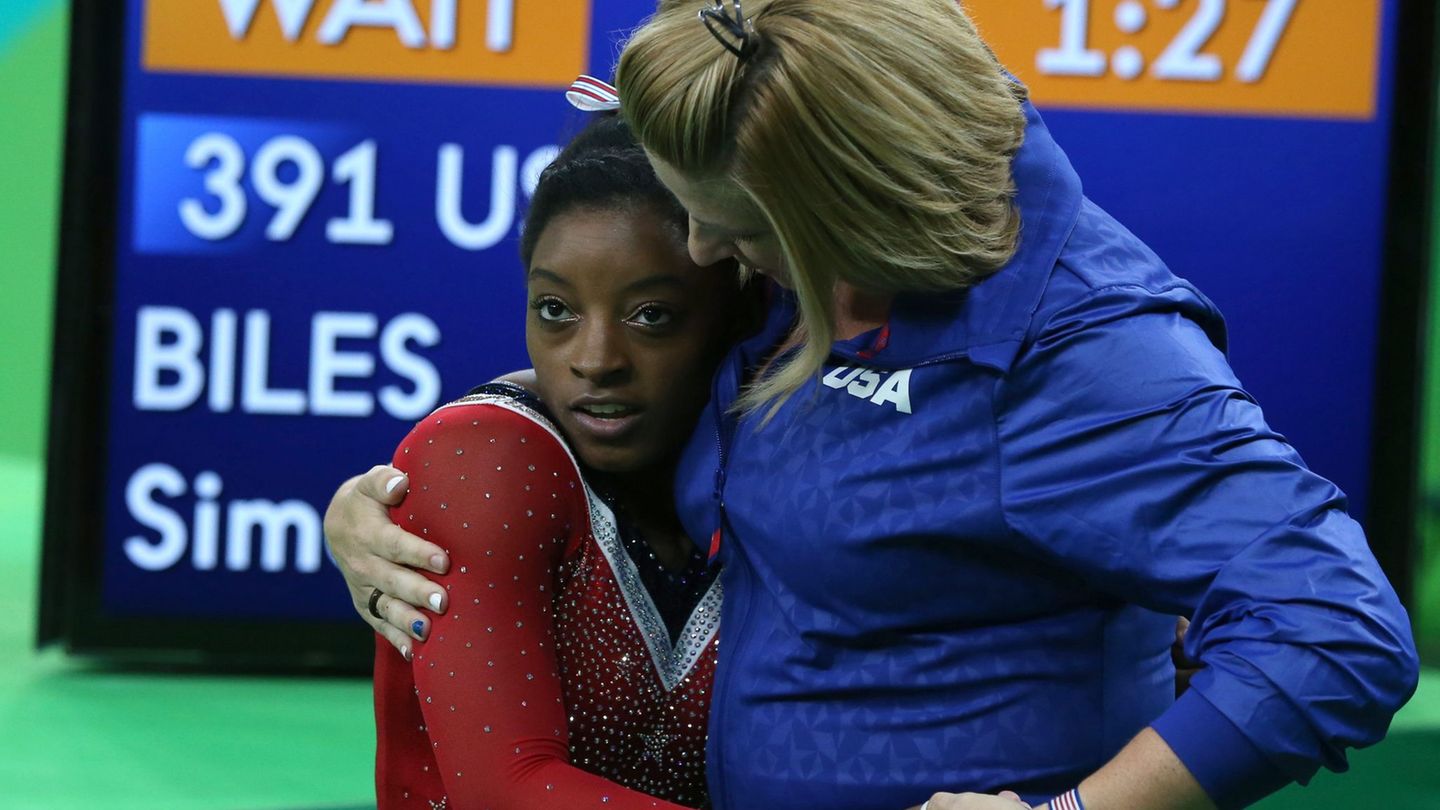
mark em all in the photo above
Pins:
pixel 605 418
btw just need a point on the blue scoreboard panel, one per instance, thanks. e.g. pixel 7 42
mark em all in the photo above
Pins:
pixel 291 231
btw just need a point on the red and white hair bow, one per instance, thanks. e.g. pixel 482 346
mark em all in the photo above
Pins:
pixel 592 95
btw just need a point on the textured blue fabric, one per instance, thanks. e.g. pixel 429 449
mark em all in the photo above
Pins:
pixel 953 562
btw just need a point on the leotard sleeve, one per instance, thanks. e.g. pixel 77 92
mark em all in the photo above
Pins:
pixel 478 716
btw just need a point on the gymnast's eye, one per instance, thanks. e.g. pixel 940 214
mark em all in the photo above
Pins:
pixel 653 316
pixel 552 309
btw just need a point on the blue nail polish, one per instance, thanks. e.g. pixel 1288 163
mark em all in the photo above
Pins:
pixel 418 628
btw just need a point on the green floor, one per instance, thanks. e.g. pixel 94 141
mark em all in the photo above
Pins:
pixel 77 736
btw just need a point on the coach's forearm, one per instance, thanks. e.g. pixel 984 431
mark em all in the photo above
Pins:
pixel 1145 774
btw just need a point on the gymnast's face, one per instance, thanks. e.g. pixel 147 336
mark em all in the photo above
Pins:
pixel 624 332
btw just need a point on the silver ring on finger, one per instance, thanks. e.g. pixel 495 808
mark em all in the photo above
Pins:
pixel 375 594
pixel 926 805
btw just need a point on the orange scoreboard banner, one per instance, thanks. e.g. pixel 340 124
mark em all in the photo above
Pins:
pixel 1294 58
pixel 492 42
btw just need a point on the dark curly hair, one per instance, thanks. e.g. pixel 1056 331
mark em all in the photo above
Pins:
pixel 603 166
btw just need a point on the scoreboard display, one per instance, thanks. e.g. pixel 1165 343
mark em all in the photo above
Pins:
pixel 1296 59
pixel 291 231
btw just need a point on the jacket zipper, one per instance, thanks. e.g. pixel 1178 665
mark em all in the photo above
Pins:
pixel 721 688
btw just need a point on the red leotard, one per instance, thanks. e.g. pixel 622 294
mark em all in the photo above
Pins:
pixel 551 680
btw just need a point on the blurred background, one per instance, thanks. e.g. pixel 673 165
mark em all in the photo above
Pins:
pixel 169 685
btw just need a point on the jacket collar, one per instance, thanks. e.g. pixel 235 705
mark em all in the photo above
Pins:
pixel 988 322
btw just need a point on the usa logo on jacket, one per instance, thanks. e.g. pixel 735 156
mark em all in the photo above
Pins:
pixel 878 387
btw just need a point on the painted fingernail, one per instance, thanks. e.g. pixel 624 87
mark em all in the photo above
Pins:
pixel 438 564
pixel 435 601
pixel 405 653
pixel 393 483
pixel 418 628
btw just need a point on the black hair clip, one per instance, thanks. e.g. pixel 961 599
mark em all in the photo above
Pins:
pixel 728 30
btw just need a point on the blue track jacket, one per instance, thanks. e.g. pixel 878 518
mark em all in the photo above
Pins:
pixel 954 562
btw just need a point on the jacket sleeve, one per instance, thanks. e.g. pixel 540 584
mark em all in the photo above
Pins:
pixel 1131 456
pixel 500 493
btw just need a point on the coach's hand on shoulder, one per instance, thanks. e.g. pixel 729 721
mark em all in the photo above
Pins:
pixel 376 555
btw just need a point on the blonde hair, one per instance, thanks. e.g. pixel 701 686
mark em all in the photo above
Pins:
pixel 876 138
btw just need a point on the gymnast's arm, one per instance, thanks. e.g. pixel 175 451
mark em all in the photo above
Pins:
pixel 375 554
pixel 499 492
